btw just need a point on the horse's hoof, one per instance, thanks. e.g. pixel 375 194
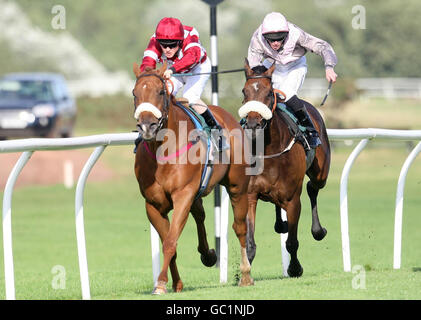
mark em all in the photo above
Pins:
pixel 281 227
pixel 319 234
pixel 209 260
pixel 160 288
pixel 246 281
pixel 178 287
pixel 295 271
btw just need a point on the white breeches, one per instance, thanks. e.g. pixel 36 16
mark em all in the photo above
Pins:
pixel 193 85
pixel 289 78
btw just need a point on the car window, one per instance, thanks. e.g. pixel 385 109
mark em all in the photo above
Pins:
pixel 60 91
pixel 26 89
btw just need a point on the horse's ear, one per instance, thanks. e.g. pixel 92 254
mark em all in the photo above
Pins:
pixel 247 68
pixel 163 68
pixel 270 70
pixel 136 69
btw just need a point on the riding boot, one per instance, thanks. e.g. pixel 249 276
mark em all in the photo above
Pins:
pixel 216 131
pixel 300 111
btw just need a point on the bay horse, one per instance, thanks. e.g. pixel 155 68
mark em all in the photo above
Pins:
pixel 285 167
pixel 173 186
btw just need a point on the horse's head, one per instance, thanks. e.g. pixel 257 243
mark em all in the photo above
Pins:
pixel 151 101
pixel 259 97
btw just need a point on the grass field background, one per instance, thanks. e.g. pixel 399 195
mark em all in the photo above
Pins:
pixel 118 237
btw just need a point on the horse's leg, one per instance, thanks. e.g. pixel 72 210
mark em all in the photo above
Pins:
pixel 317 230
pixel 207 256
pixel 293 209
pixel 318 173
pixel 280 226
pixel 238 196
pixel 182 201
pixel 251 218
pixel 162 226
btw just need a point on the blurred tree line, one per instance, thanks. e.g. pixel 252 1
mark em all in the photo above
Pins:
pixel 116 33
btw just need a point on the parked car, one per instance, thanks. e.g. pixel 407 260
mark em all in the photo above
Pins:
pixel 36 105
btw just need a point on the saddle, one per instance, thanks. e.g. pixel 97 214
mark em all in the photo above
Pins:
pixel 296 130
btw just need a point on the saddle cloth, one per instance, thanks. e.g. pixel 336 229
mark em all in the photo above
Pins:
pixel 200 124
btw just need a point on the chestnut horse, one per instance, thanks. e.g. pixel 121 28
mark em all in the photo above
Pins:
pixel 285 167
pixel 174 185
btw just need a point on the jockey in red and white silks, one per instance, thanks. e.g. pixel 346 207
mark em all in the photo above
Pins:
pixel 189 57
pixel 180 46
pixel 281 42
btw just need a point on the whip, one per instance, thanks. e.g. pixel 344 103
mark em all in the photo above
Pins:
pixel 327 93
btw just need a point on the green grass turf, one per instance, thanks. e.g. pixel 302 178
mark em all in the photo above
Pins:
pixel 119 252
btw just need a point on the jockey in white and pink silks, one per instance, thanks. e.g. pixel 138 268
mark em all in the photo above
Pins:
pixel 281 42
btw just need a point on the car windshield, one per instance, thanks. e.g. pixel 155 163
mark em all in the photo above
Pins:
pixel 26 89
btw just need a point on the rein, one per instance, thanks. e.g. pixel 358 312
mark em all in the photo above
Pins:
pixel 212 72
pixel 275 103
pixel 171 156
pixel 164 118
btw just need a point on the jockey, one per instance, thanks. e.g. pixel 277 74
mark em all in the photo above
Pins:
pixel 278 41
pixel 180 47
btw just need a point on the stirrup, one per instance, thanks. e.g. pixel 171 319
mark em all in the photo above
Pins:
pixel 313 138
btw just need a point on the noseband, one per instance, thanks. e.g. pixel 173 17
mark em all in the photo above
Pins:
pixel 164 117
pixel 274 92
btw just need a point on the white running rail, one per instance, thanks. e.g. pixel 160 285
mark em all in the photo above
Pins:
pixel 365 135
pixel 28 146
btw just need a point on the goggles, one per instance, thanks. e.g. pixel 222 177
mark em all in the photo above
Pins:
pixel 278 36
pixel 169 44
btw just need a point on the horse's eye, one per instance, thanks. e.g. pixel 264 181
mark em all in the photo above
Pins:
pixel 161 92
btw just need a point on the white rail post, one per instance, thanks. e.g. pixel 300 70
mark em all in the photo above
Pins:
pixel 223 260
pixel 80 228
pixel 397 244
pixel 346 252
pixel 156 257
pixel 9 274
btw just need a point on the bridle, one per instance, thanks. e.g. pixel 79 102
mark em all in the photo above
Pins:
pixel 274 95
pixel 274 103
pixel 166 97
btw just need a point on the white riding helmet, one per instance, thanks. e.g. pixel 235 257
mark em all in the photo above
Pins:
pixel 275 23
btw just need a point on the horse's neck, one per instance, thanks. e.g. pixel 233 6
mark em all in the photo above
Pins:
pixel 179 123
pixel 174 118
pixel 279 133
